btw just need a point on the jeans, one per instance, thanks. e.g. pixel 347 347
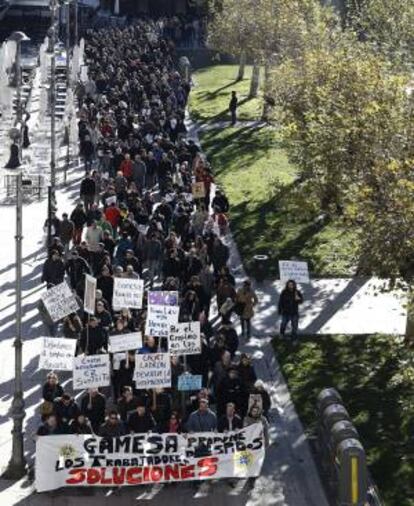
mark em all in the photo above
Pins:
pixel 246 326
pixel 293 319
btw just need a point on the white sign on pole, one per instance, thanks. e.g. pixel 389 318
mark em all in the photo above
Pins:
pixel 125 342
pixel 152 370
pixel 298 271
pixel 90 294
pixel 56 353
pixel 91 371
pixel 128 293
pixel 60 301
pixel 160 318
pixel 184 339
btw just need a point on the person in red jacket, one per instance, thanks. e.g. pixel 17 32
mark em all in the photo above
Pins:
pixel 126 167
pixel 113 215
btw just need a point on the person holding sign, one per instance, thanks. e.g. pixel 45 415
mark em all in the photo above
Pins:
pixel 288 308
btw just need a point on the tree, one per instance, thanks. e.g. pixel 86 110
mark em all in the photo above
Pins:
pixel 386 24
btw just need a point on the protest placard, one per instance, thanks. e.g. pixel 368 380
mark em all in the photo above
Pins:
pixel 184 339
pixel 198 190
pixel 298 271
pixel 160 318
pixel 56 353
pixel 91 371
pixel 128 293
pixel 152 370
pixel 70 460
pixel 90 294
pixel 163 298
pixel 60 301
pixel 125 342
pixel 189 382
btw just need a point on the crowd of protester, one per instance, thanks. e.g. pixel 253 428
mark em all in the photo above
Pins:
pixel 137 218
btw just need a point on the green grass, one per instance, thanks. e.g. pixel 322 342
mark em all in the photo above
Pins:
pixel 376 384
pixel 252 167
pixel 209 100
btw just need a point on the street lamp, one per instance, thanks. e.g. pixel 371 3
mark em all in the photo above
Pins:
pixel 16 468
pixel 18 38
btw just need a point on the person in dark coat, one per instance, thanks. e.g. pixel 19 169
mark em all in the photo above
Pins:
pixel 141 421
pixel 233 107
pixel 53 270
pixel 65 409
pixel 113 426
pixel 80 425
pixel 50 427
pixel 51 389
pixel 259 388
pixel 78 217
pixel 231 389
pixel 230 420
pixel 92 339
pixel 76 268
pixel 288 307
pixel 88 191
pixel 93 407
pixel 246 371
pixel 127 403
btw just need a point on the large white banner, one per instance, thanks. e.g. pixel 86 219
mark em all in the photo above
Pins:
pixel 91 371
pixel 60 301
pixel 128 293
pixel 298 271
pixel 90 294
pixel 57 353
pixel 125 342
pixel 140 459
pixel 152 370
pixel 160 318
pixel 184 339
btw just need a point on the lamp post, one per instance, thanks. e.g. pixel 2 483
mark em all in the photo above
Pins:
pixel 68 86
pixel 76 41
pixel 52 51
pixel 16 468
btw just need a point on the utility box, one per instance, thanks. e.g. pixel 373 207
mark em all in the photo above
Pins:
pixel 352 473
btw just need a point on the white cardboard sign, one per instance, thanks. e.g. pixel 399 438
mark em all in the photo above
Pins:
pixel 128 293
pixel 60 301
pixel 90 294
pixel 152 370
pixel 125 342
pixel 184 339
pixel 298 271
pixel 160 318
pixel 91 371
pixel 57 353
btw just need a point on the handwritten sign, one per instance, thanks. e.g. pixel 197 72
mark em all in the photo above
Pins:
pixel 56 353
pixel 125 342
pixel 152 370
pixel 184 339
pixel 90 294
pixel 298 271
pixel 189 382
pixel 198 190
pixel 128 293
pixel 163 298
pixel 160 318
pixel 110 200
pixel 60 301
pixel 91 371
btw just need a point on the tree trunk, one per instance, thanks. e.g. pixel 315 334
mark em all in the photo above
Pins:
pixel 255 81
pixel 242 65
pixel 409 326
pixel 266 101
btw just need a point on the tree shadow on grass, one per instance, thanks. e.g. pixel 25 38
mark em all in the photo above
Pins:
pixel 365 370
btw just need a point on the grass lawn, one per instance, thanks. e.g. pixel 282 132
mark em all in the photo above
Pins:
pixel 209 100
pixel 372 375
pixel 253 169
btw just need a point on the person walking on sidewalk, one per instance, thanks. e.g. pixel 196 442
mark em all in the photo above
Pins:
pixel 233 107
pixel 246 299
pixel 288 308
